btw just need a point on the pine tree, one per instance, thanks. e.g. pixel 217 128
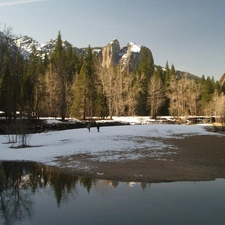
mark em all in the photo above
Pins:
pixel 6 89
pixel 85 95
pixel 145 67
pixel 172 71
pixel 62 71
pixel 11 72
pixel 78 108
pixel 30 80
pixel 207 90
pixel 167 75
pixel 146 63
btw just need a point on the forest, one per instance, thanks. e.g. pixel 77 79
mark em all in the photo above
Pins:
pixel 67 84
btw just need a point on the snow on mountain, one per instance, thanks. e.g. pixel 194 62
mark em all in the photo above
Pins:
pixel 126 56
pixel 135 47
pixel 112 54
pixel 26 44
pixel 48 46
pixel 129 55
pixel 130 47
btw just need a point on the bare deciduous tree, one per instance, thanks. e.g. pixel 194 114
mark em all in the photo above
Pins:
pixel 184 96
pixel 173 96
pixel 155 95
pixel 133 88
pixel 193 97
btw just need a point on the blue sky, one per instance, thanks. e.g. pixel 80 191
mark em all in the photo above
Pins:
pixel 190 34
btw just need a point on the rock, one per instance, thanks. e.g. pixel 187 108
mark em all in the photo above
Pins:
pixel 110 54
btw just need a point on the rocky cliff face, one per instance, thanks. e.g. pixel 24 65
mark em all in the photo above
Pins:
pixel 222 79
pixel 129 56
pixel 126 57
pixel 110 54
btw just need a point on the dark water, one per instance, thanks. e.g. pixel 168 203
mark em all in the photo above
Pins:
pixel 35 194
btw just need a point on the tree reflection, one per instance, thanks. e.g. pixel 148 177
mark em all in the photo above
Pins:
pixel 62 184
pixel 19 181
pixel 86 182
pixel 15 201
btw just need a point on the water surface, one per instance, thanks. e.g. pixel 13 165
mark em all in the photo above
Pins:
pixel 36 194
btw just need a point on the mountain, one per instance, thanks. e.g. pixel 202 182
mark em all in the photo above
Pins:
pixel 126 57
pixel 181 74
pixel 112 54
pixel 222 79
pixel 26 44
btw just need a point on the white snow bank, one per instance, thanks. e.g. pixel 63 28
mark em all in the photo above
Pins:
pixel 111 143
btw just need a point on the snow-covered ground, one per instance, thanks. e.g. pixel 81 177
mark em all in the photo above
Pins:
pixel 111 143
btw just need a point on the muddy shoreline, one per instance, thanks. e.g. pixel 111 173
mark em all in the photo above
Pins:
pixel 195 158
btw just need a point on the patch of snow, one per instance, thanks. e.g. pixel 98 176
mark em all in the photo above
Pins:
pixel 96 50
pixel 113 143
pixel 52 121
pixel 100 174
pixel 135 47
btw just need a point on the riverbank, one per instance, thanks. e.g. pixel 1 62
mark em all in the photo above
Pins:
pixel 191 158
pixel 144 153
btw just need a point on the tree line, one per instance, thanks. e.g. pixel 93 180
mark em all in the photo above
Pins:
pixel 68 84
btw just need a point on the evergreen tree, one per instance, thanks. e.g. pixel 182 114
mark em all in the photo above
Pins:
pixel 145 67
pixel 85 95
pixel 159 72
pixel 207 90
pixel 6 91
pixel 32 82
pixel 63 70
pixel 167 75
pixel 11 72
pixel 172 71
pixel 146 63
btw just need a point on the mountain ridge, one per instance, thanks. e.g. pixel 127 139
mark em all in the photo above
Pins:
pixel 112 53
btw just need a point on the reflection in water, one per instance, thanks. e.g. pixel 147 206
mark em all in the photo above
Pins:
pixel 32 193
pixel 19 181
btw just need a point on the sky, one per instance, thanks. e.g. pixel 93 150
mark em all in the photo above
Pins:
pixel 189 34
pixel 112 143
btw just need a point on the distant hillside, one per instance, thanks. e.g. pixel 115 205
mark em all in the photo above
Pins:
pixel 181 74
